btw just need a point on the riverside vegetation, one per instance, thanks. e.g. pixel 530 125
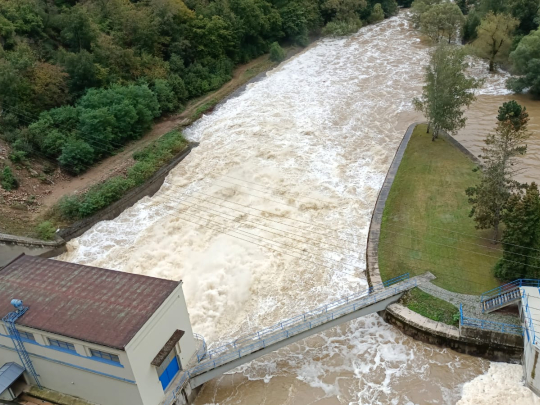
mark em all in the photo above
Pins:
pixel 79 80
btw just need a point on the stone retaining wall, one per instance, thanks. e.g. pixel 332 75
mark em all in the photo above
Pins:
pixel 490 345
pixel 11 246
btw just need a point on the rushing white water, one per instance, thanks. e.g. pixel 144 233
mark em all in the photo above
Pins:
pixel 269 216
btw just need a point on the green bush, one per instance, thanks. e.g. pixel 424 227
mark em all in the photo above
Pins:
pixel 17 156
pixel 46 230
pixel 377 14
pixel 277 53
pixel 76 156
pixel 341 28
pixel 149 160
pixel 8 180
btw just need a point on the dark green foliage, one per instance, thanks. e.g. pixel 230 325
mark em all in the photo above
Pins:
pixel 149 160
pixel 376 15
pixel 46 230
pixel 8 180
pixel 526 60
pixel 469 28
pixel 277 53
pixel 521 237
pixel 77 156
pixel 390 7
pixel 405 3
pixel 17 156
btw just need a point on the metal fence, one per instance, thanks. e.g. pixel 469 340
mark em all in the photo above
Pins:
pixel 293 326
pixel 522 282
pixel 489 325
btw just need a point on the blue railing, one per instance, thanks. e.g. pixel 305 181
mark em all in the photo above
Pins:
pixel 9 321
pixel 522 282
pixel 201 353
pixel 489 325
pixel 528 322
pixel 302 317
pixel 306 321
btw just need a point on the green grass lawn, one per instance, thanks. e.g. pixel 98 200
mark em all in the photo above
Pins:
pixel 426 224
pixel 430 307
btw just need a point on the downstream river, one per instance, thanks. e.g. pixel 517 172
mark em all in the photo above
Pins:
pixel 268 217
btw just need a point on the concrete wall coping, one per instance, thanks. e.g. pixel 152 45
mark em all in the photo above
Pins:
pixel 22 240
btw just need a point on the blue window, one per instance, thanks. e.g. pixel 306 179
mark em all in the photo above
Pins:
pixel 27 335
pixel 62 345
pixel 105 355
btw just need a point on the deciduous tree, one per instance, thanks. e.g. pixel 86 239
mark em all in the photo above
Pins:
pixel 442 21
pixel 499 156
pixel 447 91
pixel 494 37
pixel 526 61
pixel 521 236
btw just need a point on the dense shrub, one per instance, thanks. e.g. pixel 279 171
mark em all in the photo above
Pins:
pixel 277 53
pixel 377 14
pixel 76 156
pixel 46 230
pixel 149 160
pixel 8 180
pixel 341 28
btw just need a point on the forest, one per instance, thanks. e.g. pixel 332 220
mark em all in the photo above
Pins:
pixel 79 79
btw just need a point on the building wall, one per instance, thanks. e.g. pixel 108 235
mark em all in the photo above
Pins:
pixel 77 373
pixel 147 343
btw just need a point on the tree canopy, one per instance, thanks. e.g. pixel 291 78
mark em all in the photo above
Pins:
pixel 447 90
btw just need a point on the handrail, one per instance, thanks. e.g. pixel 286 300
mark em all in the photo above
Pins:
pixel 489 325
pixel 260 341
pixel 529 326
pixel 522 282
pixel 201 353
pixel 302 317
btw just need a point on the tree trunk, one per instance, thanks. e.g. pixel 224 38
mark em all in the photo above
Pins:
pixel 428 127
pixel 491 65
pixel 496 233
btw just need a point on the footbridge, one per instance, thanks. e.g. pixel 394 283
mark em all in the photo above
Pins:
pixel 217 361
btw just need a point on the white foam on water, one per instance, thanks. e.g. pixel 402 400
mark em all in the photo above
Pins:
pixel 502 384
pixel 311 145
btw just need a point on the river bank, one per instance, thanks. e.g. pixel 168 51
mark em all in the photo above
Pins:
pixel 23 209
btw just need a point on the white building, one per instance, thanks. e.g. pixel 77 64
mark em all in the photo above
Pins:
pixel 109 337
pixel 530 319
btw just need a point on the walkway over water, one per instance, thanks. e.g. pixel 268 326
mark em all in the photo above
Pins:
pixel 247 348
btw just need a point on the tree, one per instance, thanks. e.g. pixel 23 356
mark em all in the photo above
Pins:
pixel 521 237
pixel 526 62
pixel 442 21
pixel 419 7
pixel 277 54
pixel 78 30
pixel 447 91
pixel 499 156
pixel 494 37
pixel 50 86
pixel 377 14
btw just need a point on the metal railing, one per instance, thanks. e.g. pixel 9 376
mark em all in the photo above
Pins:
pixel 489 325
pixel 302 317
pixel 177 391
pixel 528 321
pixel 201 353
pixel 522 282
pixel 9 321
pixel 309 320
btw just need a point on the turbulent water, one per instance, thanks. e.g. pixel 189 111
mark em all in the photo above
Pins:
pixel 269 215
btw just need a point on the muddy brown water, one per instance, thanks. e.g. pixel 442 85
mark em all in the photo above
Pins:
pixel 269 216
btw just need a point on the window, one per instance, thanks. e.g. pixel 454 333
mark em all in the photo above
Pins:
pixel 27 335
pixel 62 345
pixel 104 355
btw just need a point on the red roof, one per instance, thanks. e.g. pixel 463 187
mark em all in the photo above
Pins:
pixel 101 306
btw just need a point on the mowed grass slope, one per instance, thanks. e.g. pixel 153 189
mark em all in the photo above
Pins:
pixel 426 224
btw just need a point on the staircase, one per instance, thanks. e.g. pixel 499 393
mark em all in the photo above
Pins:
pixel 505 295
pixel 501 301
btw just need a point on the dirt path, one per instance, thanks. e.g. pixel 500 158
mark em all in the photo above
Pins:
pixel 120 162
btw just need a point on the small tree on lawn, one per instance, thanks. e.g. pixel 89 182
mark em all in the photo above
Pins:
pixel 500 154
pixel 495 37
pixel 447 91
pixel 521 237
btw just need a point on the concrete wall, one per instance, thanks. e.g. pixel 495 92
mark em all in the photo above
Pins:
pixel 476 342
pixel 11 246
pixel 76 374
pixel 146 344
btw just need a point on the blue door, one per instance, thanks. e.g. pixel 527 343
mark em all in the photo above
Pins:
pixel 169 373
